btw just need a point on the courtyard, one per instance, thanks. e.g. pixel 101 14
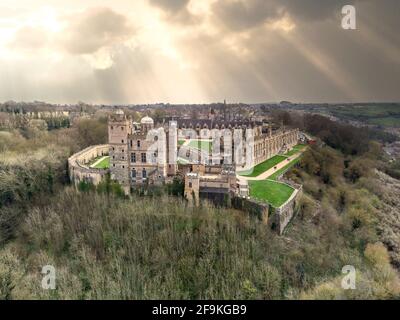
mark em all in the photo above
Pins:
pixel 100 163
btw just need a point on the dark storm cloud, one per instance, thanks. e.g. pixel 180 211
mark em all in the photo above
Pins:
pixel 170 5
pixel 239 53
pixel 175 11
pixel 315 10
pixel 240 15
pixel 95 29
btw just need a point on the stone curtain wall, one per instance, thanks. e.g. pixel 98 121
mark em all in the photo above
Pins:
pixel 79 171
pixel 284 214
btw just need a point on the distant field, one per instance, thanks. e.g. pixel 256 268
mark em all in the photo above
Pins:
pixel 386 122
pixel 103 164
pixel 387 115
pixel 275 193
pixel 262 167
pixel 201 145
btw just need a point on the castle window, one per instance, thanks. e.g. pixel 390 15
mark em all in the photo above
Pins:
pixel 122 128
pixel 112 128
pixel 123 150
pixel 143 157
pixel 138 143
pixel 123 167
pixel 133 173
pixel 190 185
pixel 113 164
pixel 133 157
pixel 131 143
pixel 122 141
pixel 144 173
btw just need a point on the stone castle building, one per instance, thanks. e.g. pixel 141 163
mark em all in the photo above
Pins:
pixel 143 154
pixel 146 154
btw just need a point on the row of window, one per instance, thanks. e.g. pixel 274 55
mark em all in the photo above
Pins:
pixel 134 173
pixel 137 143
pixel 122 128
pixel 142 157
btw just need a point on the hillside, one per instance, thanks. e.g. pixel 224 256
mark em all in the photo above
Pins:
pixel 106 246
pixel 389 222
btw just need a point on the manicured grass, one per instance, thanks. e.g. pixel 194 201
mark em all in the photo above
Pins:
pixel 201 145
pixel 182 161
pixel 299 146
pixel 181 142
pixel 275 193
pixel 262 167
pixel 291 152
pixel 103 164
pixel 295 149
pixel 284 169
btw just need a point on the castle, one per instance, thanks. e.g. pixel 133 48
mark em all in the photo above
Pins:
pixel 144 154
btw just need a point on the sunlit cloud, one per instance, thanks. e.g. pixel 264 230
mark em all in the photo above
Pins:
pixel 194 51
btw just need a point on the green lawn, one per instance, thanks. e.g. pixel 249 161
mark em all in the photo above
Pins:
pixel 262 167
pixel 275 193
pixel 181 142
pixel 182 161
pixel 103 164
pixel 295 149
pixel 299 146
pixel 284 169
pixel 292 152
pixel 201 145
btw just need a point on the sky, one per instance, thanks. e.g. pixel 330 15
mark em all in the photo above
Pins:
pixel 198 51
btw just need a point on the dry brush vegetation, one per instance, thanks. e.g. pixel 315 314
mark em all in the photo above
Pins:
pixel 107 246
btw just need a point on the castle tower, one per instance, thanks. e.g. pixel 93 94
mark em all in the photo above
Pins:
pixel 119 126
pixel 192 188
pixel 172 148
